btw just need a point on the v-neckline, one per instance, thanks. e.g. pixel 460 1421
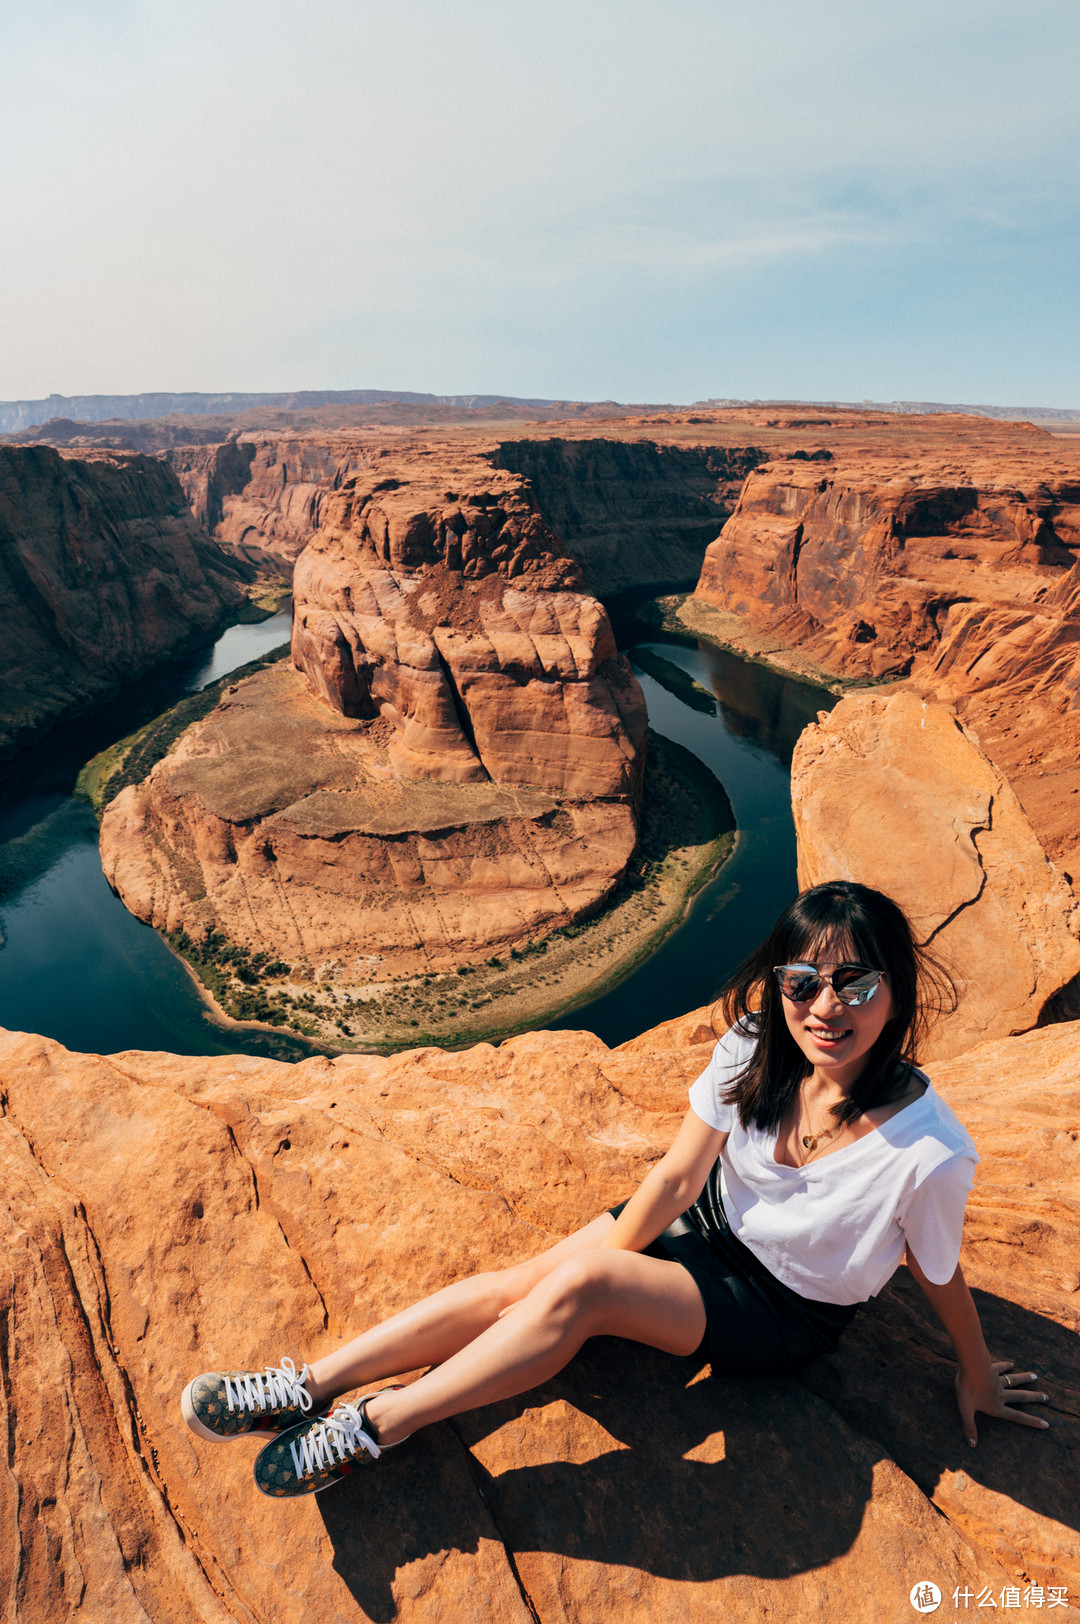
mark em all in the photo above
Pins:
pixel 852 1144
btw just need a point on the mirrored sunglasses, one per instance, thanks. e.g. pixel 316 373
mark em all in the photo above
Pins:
pixel 853 984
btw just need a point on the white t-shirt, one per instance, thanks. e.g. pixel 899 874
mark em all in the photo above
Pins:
pixel 835 1230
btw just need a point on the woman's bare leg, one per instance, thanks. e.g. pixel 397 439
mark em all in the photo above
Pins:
pixel 432 1330
pixel 594 1292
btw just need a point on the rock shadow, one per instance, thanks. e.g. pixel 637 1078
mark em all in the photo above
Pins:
pixel 627 1459
pixel 633 1459
pixel 892 1378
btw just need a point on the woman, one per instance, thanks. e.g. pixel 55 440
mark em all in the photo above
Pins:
pixel 813 1157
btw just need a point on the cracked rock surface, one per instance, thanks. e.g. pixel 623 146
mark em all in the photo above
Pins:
pixel 165 1215
pixel 893 790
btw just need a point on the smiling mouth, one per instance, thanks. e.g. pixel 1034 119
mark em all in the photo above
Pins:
pixel 828 1034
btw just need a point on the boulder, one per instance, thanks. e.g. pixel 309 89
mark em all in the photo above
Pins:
pixel 165 1215
pixel 892 790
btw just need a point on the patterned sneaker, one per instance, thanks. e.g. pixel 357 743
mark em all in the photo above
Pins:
pixel 229 1403
pixel 312 1456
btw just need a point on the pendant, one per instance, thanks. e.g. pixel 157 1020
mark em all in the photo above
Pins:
pixel 809 1141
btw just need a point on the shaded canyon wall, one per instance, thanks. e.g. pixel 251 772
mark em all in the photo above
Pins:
pixel 103 574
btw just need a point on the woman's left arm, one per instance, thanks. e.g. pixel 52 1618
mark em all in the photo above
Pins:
pixel 982 1383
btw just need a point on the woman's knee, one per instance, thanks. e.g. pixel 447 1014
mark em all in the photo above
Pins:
pixel 576 1287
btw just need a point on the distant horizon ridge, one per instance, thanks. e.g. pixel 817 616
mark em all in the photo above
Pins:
pixel 16 415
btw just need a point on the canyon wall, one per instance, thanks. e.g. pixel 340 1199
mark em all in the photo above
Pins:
pixel 454 765
pixel 961 581
pixel 874 574
pixel 264 492
pixel 103 574
pixel 149 1202
pixel 632 512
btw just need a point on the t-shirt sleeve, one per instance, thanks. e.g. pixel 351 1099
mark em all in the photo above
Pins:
pixel 706 1092
pixel 933 1218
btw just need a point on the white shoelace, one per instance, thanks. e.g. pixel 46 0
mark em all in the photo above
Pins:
pixel 341 1433
pixel 273 1388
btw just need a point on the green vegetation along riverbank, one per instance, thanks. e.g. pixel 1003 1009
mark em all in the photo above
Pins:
pixel 687 833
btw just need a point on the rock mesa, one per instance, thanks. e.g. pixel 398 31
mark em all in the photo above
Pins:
pixel 454 765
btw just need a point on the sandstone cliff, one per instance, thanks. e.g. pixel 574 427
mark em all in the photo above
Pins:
pixel 457 615
pixel 165 1215
pixel 262 491
pixel 891 790
pixel 633 513
pixel 460 771
pixel 103 574
pixel 867 570
pixel 961 580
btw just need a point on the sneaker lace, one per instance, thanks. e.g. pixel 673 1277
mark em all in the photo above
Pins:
pixel 342 1433
pixel 269 1389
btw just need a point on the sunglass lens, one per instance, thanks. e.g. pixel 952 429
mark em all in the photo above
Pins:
pixel 798 984
pixel 855 988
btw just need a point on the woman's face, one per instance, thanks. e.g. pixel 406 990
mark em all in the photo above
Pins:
pixel 836 1038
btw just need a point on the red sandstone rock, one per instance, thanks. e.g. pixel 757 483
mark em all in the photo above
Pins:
pixel 167 1214
pixel 103 574
pixel 891 790
pixel 465 775
pixel 952 564
pixel 456 616
pixel 264 491
pixel 866 569
pixel 281 824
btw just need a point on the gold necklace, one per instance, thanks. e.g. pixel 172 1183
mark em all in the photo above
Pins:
pixel 811 1141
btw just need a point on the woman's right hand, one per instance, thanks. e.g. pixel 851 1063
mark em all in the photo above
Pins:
pixel 991 1389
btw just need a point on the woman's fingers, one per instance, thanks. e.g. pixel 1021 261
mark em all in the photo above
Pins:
pixel 1025 1420
pixel 1012 1393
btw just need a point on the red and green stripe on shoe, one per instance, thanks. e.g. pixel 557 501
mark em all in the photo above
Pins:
pixel 318 1453
pixel 233 1403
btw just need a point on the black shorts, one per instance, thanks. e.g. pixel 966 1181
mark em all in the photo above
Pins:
pixel 754 1324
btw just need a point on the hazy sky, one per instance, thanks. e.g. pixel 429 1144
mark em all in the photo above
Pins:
pixel 629 199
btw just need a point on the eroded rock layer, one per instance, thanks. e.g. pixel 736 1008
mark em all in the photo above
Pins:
pixel 633 513
pixel 456 614
pixel 283 826
pixel 869 571
pixel 457 769
pixel 891 790
pixel 953 571
pixel 103 574
pixel 166 1215
pixel 265 492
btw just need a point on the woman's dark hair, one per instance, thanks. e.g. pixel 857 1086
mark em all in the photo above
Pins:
pixel 869 928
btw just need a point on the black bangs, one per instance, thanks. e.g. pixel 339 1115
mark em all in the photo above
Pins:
pixel 854 924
